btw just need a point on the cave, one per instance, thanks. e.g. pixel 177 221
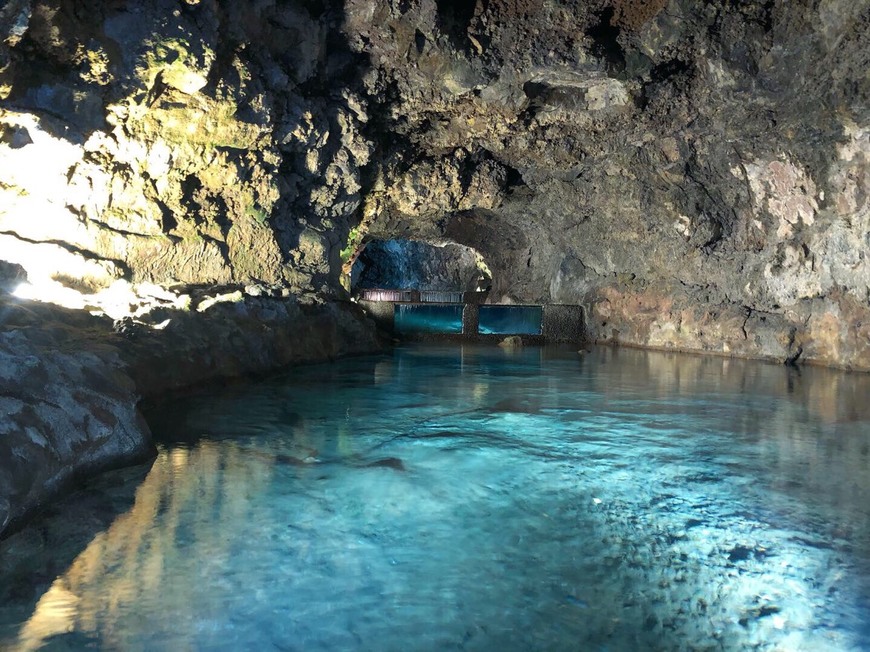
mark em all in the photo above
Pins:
pixel 645 224
pixel 409 264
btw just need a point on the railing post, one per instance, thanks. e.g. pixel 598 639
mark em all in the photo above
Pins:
pixel 470 319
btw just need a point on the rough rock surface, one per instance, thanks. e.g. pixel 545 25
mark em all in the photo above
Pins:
pixel 420 266
pixel 696 174
pixel 70 383
pixel 244 336
pixel 177 142
pixel 67 407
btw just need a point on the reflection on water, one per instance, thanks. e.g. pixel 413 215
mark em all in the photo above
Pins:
pixel 483 499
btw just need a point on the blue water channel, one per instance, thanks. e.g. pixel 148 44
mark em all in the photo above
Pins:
pixel 412 318
pixel 472 498
pixel 510 320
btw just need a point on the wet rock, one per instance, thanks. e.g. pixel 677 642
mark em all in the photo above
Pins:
pixel 387 463
pixel 68 409
pixel 244 336
pixel 70 383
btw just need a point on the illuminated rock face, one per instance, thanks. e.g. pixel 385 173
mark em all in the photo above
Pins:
pixel 157 148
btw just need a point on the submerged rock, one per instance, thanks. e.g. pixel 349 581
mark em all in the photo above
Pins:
pixel 387 463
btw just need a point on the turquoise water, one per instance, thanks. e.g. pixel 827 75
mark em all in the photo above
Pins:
pixel 425 318
pixel 510 320
pixel 472 498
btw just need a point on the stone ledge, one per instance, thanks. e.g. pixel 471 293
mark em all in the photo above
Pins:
pixel 70 384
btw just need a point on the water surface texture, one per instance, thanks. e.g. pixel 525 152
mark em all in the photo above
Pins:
pixel 473 498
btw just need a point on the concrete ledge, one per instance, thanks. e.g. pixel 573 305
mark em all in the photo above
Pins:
pixel 559 323
pixel 380 312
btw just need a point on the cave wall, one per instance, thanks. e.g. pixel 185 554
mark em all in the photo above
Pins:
pixel 179 142
pixel 695 174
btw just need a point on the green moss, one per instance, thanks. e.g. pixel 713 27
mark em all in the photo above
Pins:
pixel 216 127
pixel 256 213
pixel 354 240
pixel 211 126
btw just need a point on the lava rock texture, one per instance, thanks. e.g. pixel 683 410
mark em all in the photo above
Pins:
pixel 695 174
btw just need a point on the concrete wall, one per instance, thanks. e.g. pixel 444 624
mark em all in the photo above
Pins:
pixel 381 312
pixel 559 323
pixel 563 323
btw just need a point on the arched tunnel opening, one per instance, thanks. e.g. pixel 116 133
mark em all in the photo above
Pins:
pixel 401 264
pixel 411 287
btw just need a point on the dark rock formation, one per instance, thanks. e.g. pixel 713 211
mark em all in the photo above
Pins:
pixel 68 408
pixel 695 174
pixel 244 337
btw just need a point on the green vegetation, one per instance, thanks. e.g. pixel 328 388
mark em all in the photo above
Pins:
pixel 354 240
pixel 256 213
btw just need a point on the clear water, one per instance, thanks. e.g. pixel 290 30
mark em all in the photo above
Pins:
pixel 420 318
pixel 510 320
pixel 473 498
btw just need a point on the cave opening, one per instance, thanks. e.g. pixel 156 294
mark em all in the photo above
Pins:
pixel 402 264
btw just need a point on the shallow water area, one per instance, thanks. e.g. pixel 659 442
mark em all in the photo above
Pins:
pixel 472 498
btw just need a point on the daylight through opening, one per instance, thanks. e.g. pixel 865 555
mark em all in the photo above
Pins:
pixel 405 265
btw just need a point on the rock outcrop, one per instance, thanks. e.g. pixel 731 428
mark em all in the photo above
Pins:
pixel 68 408
pixel 177 142
pixel 695 174
pixel 70 382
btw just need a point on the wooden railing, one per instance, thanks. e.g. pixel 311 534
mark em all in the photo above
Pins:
pixel 421 296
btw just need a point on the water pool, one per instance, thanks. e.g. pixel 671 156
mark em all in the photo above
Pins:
pixel 472 498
